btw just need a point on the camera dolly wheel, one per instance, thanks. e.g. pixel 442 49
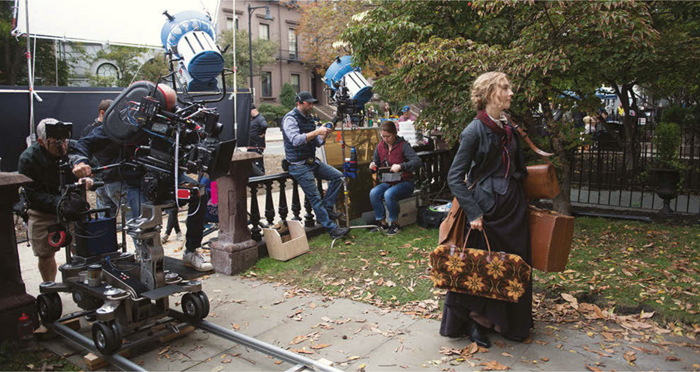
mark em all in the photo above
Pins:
pixel 107 336
pixel 205 301
pixel 49 307
pixel 194 306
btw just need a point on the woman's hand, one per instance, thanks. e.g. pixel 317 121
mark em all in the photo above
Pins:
pixel 478 224
pixel 372 166
pixel 396 168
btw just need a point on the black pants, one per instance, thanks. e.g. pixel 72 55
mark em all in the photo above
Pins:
pixel 172 222
pixel 258 165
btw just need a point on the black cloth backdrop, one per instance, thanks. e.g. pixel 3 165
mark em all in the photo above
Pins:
pixel 78 105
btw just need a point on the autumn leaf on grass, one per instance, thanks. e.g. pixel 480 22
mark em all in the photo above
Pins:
pixel 630 356
pixel 320 346
pixel 494 366
pixel 570 299
pixel 593 368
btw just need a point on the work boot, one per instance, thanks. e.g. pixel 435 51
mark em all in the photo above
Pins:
pixel 334 215
pixel 196 260
pixel 338 232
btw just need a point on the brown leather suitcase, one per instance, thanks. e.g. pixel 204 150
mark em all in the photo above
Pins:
pixel 551 235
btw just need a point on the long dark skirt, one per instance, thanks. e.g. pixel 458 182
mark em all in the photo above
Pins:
pixel 507 229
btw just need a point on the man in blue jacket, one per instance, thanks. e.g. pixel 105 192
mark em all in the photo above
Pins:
pixel 301 137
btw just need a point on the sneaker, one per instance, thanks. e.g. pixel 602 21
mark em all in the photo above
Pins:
pixel 338 232
pixel 178 235
pixel 196 260
pixel 393 230
pixel 383 227
pixel 164 238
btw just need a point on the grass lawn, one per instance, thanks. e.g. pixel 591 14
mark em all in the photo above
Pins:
pixel 625 266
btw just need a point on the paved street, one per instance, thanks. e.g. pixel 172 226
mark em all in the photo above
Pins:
pixel 355 335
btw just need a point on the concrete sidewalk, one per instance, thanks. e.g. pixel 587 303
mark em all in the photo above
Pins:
pixel 356 335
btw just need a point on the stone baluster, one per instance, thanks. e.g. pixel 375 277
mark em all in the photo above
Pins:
pixel 282 209
pixel 296 201
pixel 269 204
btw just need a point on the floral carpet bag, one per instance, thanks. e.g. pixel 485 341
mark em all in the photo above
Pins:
pixel 498 275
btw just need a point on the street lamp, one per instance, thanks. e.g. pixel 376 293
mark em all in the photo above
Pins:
pixel 251 10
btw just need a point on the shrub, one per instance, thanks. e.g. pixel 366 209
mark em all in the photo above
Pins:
pixel 677 114
pixel 288 96
pixel 667 141
pixel 273 114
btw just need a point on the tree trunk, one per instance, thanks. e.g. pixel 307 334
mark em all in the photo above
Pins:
pixel 562 202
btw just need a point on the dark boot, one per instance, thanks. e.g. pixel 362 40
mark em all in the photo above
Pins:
pixel 477 333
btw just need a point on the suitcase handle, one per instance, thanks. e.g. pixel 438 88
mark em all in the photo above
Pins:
pixel 466 239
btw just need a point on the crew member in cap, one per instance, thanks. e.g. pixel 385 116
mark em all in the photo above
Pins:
pixel 407 116
pixel 301 137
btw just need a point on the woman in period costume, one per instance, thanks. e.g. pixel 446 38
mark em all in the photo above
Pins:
pixel 487 177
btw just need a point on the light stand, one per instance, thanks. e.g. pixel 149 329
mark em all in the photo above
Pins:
pixel 251 10
pixel 341 101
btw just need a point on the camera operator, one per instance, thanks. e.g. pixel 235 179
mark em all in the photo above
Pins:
pixel 98 140
pixel 113 193
pixel 40 162
pixel 301 137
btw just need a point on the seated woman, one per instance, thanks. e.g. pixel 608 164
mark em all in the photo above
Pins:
pixel 397 155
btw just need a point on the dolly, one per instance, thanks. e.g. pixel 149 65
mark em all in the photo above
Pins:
pixel 128 294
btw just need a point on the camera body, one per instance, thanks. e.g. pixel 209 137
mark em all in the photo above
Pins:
pixel 58 130
pixel 167 143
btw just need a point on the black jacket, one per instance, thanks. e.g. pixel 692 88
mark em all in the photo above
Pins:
pixel 98 144
pixel 36 163
pixel 258 126
pixel 478 158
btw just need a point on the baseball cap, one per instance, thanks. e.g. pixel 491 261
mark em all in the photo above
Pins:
pixel 252 107
pixel 305 96
pixel 406 109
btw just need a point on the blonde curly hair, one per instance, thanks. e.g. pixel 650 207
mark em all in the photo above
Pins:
pixel 484 87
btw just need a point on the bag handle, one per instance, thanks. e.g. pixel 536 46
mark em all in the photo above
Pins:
pixel 466 239
pixel 543 154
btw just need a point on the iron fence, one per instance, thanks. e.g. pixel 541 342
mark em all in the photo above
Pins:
pixel 606 172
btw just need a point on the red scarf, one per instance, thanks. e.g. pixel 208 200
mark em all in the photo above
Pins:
pixel 506 134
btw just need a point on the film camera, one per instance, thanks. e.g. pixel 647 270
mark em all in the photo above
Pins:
pixel 58 130
pixel 168 143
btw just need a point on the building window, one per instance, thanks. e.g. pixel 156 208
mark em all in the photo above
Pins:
pixel 266 83
pixel 295 82
pixel 230 23
pixel 264 32
pixel 107 70
pixel 293 45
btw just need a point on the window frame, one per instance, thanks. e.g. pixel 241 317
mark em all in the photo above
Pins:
pixel 266 76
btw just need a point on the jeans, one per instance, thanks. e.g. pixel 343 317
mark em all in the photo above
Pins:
pixel 111 196
pixel 135 198
pixel 305 175
pixel 391 195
